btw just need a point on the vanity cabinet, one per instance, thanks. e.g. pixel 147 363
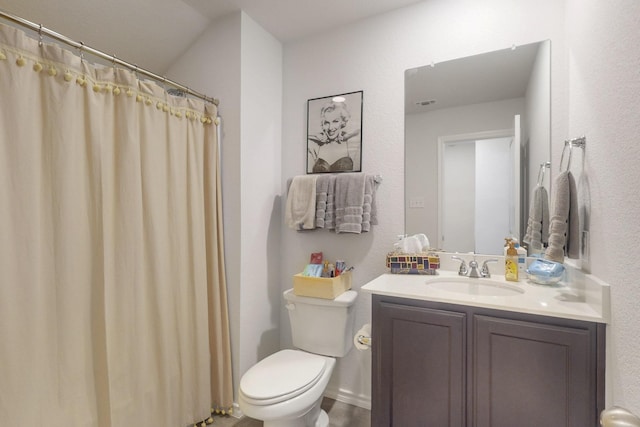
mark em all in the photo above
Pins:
pixel 446 365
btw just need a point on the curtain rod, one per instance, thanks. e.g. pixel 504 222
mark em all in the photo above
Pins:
pixel 84 48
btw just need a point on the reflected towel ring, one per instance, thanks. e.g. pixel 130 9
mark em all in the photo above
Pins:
pixel 541 172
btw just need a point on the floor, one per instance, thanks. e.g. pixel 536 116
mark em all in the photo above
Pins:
pixel 340 415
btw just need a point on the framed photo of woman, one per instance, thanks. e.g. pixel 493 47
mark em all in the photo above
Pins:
pixel 334 133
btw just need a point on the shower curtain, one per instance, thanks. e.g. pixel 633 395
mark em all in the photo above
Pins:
pixel 112 294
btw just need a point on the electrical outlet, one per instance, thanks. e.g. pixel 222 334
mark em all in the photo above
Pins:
pixel 416 202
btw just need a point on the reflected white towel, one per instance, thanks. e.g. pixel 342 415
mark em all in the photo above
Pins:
pixel 300 211
pixel 537 235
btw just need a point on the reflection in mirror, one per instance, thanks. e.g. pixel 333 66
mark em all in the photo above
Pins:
pixel 477 130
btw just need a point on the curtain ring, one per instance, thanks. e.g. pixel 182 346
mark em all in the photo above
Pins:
pixel 81 49
pixel 40 36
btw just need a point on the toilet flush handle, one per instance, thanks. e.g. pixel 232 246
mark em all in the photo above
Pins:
pixel 290 306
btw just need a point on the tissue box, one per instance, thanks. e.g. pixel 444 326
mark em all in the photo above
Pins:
pixel 419 263
pixel 321 287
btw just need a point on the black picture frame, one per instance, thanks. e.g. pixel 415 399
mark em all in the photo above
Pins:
pixel 334 133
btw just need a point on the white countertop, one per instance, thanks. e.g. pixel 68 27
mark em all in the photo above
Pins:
pixel 586 299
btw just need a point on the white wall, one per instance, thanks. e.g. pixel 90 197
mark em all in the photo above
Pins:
pixel 372 55
pixel 604 102
pixel 260 213
pixel 238 62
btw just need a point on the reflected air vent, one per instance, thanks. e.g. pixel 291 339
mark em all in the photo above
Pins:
pixel 425 103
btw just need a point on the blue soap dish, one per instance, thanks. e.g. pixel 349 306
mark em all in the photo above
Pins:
pixel 545 272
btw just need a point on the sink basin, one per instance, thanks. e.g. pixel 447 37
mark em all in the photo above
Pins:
pixel 469 286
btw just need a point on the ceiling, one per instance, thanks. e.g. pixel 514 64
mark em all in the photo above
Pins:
pixel 491 76
pixel 154 33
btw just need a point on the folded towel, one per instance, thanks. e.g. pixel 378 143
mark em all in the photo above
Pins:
pixel 564 224
pixel 330 212
pixel 300 211
pixel 537 235
pixel 349 201
pixel 369 205
pixel 324 209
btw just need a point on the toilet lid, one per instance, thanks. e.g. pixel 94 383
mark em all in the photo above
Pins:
pixel 281 375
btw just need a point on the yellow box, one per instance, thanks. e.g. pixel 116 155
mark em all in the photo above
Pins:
pixel 321 287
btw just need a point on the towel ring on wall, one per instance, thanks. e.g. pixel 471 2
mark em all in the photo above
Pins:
pixel 543 168
pixel 579 142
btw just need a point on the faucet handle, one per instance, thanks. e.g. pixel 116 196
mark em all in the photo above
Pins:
pixel 485 267
pixel 463 265
pixel 473 269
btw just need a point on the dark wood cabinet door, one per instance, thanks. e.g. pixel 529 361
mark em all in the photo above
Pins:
pixel 418 366
pixel 530 374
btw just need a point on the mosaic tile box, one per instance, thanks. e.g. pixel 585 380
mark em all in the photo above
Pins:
pixel 419 263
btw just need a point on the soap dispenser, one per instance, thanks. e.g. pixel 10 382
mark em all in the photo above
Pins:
pixel 522 258
pixel 511 262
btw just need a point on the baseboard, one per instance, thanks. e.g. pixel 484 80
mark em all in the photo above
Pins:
pixel 347 396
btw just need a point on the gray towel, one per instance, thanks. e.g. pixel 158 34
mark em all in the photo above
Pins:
pixel 537 235
pixel 330 211
pixel 322 190
pixel 349 201
pixel 573 238
pixel 564 227
pixel 369 206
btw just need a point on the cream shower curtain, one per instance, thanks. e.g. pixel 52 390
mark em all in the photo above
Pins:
pixel 112 294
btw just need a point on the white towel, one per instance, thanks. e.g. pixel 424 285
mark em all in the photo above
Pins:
pixel 349 201
pixel 564 227
pixel 300 212
pixel 537 235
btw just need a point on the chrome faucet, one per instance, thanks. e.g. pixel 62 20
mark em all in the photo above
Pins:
pixel 485 267
pixel 463 266
pixel 472 270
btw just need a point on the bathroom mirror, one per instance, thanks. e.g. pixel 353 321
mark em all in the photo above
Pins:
pixel 477 132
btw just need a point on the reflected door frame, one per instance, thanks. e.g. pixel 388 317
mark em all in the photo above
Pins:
pixel 442 142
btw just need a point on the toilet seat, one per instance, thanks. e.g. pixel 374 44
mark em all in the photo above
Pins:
pixel 281 376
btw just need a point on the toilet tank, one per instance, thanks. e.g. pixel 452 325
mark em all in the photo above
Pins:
pixel 322 326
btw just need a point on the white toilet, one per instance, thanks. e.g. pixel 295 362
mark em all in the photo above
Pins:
pixel 286 388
